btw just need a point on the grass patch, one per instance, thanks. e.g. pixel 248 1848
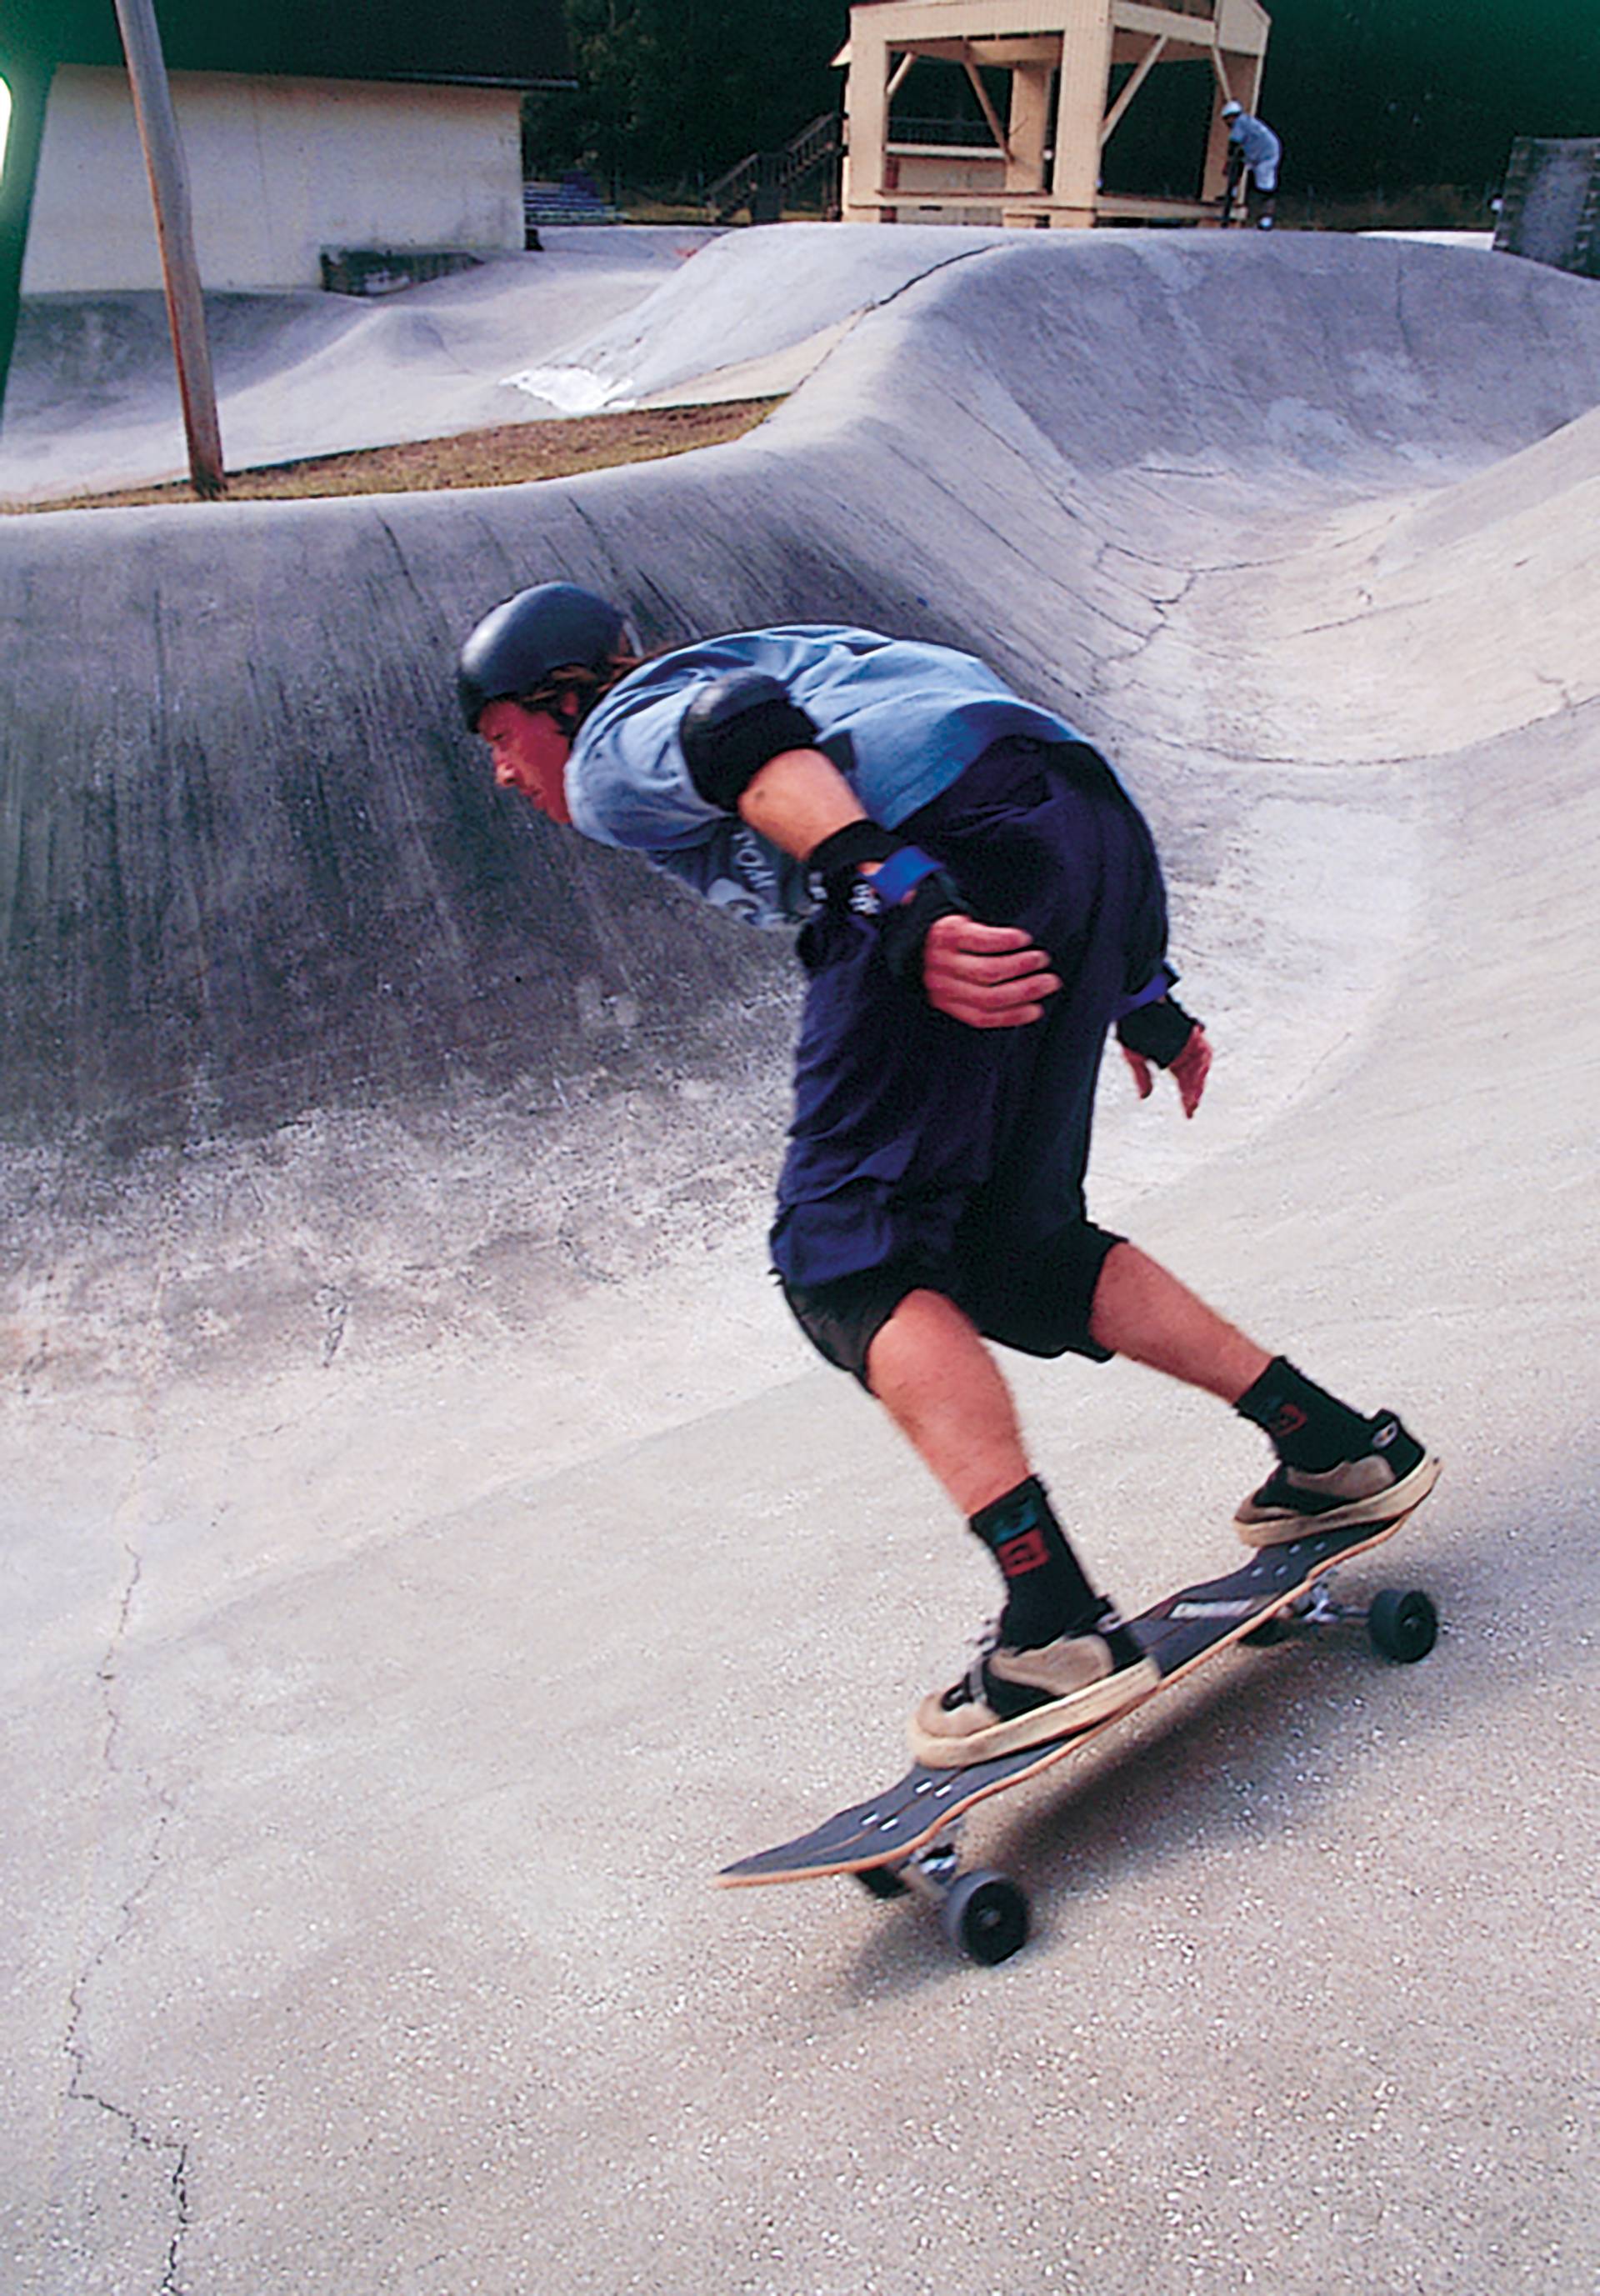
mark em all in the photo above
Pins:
pixel 509 455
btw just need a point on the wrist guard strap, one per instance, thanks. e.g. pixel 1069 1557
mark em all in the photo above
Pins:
pixel 904 899
pixel 835 869
pixel 832 865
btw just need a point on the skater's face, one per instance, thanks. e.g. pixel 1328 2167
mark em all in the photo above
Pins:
pixel 529 748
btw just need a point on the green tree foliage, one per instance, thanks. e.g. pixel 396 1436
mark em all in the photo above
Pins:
pixel 677 90
pixel 1369 96
pixel 1378 95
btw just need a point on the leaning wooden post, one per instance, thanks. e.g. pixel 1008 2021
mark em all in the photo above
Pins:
pixel 175 233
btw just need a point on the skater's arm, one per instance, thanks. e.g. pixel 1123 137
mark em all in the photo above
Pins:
pixel 1156 1028
pixel 797 799
pixel 750 749
pixel 985 976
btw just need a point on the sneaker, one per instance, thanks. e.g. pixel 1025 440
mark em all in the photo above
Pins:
pixel 1386 1479
pixel 1010 1699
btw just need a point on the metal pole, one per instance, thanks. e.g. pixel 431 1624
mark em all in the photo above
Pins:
pixel 29 87
pixel 175 233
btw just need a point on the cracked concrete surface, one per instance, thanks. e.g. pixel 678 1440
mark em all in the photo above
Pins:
pixel 428 1553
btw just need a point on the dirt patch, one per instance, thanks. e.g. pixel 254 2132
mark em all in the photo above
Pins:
pixel 509 455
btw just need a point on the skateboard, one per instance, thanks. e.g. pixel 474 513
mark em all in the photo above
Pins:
pixel 904 1840
pixel 1231 195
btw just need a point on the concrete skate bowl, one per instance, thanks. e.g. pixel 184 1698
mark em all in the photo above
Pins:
pixel 428 1552
pixel 92 399
pixel 1246 510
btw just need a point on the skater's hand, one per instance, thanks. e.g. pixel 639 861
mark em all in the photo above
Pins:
pixel 1188 1071
pixel 988 976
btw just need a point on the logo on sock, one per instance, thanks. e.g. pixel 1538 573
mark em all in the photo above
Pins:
pixel 1025 1553
pixel 1287 1419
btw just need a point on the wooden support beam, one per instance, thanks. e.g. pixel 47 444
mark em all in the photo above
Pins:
pixel 1127 48
pixel 867 112
pixel 1011 56
pixel 1213 174
pixel 1135 16
pixel 1133 83
pixel 175 233
pixel 1037 206
pixel 1006 53
pixel 1085 63
pixel 982 92
pixel 1028 131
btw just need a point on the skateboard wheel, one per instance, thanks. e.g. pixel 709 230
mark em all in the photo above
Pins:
pixel 985 1917
pixel 882 1882
pixel 1402 1627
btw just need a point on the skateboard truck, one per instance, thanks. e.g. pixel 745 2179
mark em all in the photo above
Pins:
pixel 1400 1625
pixel 982 1913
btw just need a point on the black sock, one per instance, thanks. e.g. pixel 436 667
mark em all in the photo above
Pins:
pixel 1308 1427
pixel 1046 1594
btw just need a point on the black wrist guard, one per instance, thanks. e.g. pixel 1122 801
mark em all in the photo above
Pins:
pixel 834 866
pixel 1157 1032
pixel 905 898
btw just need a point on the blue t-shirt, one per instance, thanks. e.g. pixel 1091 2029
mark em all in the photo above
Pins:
pixel 901 720
pixel 1259 146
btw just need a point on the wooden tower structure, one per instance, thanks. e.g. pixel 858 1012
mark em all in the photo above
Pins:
pixel 1075 67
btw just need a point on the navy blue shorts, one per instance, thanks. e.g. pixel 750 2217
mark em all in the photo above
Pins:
pixel 924 1153
pixel 1038 1301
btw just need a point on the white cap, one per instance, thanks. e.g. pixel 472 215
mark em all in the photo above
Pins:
pixel 1230 108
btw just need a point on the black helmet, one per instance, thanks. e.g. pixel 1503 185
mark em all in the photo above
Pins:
pixel 553 626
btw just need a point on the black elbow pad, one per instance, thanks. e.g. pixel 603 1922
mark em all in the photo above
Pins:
pixel 733 727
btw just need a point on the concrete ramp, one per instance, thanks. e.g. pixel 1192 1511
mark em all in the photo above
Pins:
pixel 429 1553
pixel 759 310
pixel 92 402
pixel 256 867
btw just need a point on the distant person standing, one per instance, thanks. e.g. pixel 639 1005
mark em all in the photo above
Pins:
pixel 1252 150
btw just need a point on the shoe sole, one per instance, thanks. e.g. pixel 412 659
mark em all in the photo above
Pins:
pixel 1064 1718
pixel 1276 1530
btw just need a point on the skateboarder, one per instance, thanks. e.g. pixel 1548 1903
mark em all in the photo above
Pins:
pixel 1253 150
pixel 981 903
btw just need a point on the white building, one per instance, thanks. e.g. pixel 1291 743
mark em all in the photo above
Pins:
pixel 311 131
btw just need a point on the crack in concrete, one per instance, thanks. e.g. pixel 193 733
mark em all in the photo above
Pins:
pixel 335 1306
pixel 169 2154
pixel 1165 610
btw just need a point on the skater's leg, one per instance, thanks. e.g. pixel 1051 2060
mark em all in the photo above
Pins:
pixel 1060 1659
pixel 1145 1313
pixel 1336 1467
pixel 944 1390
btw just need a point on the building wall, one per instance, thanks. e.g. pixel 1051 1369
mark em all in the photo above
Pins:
pixel 278 169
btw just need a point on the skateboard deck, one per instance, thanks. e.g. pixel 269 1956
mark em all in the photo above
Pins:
pixel 898 1838
pixel 1231 194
